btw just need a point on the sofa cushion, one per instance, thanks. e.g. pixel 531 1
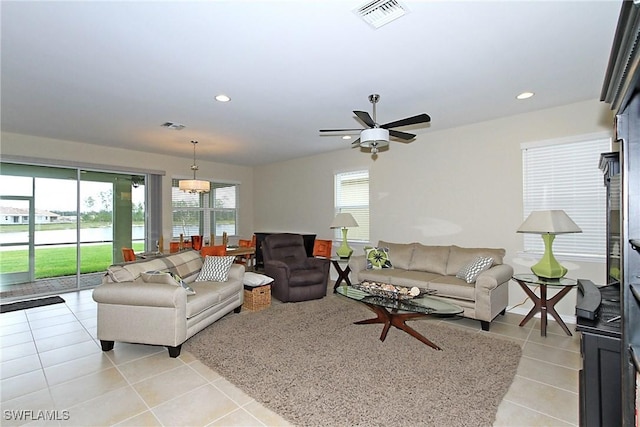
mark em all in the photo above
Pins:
pixel 432 259
pixel 452 287
pixel 215 269
pixel 381 275
pixel 411 278
pixel 378 258
pixel 459 257
pixel 470 272
pixel 399 253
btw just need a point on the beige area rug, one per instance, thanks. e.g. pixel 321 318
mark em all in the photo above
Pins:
pixel 310 364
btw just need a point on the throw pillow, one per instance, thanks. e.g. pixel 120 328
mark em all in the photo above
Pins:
pixel 378 258
pixel 215 269
pixel 118 274
pixel 255 279
pixel 470 272
pixel 167 278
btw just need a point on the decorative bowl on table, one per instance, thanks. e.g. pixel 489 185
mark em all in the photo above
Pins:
pixel 390 291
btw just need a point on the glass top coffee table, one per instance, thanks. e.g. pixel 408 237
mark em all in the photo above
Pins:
pixel 394 312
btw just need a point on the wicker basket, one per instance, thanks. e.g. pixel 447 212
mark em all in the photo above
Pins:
pixel 258 298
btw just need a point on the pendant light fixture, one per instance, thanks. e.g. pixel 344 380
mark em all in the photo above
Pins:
pixel 194 185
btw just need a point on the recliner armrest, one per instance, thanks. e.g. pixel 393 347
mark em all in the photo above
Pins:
pixel 139 293
pixel 320 263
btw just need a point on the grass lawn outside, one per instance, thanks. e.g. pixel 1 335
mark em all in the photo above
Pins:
pixel 61 261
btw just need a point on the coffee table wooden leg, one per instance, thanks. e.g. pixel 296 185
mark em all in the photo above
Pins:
pixel 398 320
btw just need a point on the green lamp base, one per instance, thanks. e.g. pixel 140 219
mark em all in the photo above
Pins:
pixel 344 251
pixel 548 267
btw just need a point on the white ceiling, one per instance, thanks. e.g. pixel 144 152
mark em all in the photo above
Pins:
pixel 110 73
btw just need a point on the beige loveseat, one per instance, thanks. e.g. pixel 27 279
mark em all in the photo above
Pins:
pixel 133 308
pixel 435 267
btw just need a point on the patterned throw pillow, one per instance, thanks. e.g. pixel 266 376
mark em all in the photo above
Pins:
pixel 215 269
pixel 378 258
pixel 470 272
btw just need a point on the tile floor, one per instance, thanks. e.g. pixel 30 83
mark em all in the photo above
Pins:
pixel 52 366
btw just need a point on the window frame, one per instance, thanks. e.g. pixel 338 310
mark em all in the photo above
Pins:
pixel 361 234
pixel 208 212
pixel 551 169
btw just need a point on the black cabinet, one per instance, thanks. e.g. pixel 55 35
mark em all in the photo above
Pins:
pixel 309 240
pixel 601 373
pixel 622 90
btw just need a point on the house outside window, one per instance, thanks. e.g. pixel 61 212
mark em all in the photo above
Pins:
pixel 205 214
pixel 565 174
pixel 352 196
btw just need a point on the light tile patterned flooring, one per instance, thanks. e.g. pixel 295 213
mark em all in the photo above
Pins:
pixel 52 366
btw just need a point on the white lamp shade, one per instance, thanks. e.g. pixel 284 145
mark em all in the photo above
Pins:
pixel 194 185
pixel 549 222
pixel 343 220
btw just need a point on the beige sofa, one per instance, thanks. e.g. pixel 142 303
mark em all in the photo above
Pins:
pixel 435 267
pixel 133 309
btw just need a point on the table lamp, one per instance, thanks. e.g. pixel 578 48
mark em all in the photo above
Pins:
pixel 344 220
pixel 548 224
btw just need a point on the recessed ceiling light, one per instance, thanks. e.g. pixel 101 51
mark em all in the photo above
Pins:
pixel 222 98
pixel 346 137
pixel 525 95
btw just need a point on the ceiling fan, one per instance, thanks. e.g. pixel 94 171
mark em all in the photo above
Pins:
pixel 377 136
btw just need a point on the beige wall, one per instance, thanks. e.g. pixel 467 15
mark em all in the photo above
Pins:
pixel 174 167
pixel 458 186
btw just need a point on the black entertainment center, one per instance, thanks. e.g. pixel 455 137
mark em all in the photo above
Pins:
pixel 610 342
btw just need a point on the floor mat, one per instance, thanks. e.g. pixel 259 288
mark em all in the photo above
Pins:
pixel 23 305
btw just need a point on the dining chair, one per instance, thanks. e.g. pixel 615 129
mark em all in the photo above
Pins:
pixel 220 250
pixel 128 255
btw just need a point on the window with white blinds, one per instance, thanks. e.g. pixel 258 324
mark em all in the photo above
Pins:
pixel 352 196
pixel 205 213
pixel 565 174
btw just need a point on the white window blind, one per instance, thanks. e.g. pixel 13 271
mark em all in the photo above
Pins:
pixel 352 196
pixel 206 213
pixel 565 175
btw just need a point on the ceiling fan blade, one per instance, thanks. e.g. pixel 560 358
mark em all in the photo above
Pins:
pixel 402 135
pixel 365 117
pixel 420 118
pixel 355 143
pixel 340 130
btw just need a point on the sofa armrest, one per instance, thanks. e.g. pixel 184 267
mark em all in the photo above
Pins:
pixel 494 277
pixel 139 293
pixel 236 272
pixel 357 264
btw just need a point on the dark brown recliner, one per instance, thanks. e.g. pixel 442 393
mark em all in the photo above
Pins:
pixel 297 277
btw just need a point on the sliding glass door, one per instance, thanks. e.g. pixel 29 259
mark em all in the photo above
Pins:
pixel 60 228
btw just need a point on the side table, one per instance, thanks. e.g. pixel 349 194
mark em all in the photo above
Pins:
pixel 542 304
pixel 343 273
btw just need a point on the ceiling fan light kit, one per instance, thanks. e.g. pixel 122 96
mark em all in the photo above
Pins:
pixel 377 136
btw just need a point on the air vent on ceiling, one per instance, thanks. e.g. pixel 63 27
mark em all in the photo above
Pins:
pixel 174 126
pixel 380 12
